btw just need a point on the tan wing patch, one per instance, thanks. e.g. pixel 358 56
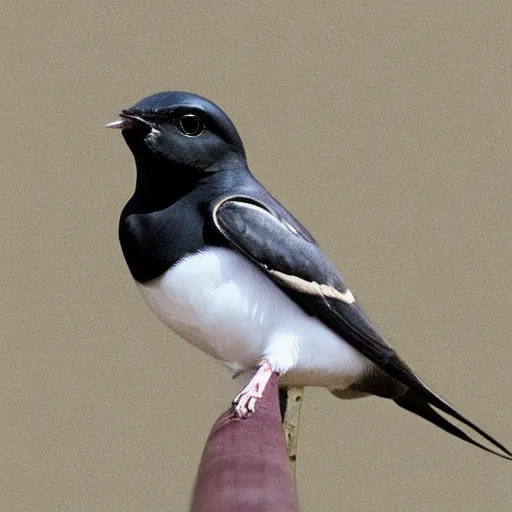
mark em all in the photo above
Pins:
pixel 313 288
pixel 309 287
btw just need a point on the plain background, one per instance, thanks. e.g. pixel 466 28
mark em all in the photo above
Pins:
pixel 385 127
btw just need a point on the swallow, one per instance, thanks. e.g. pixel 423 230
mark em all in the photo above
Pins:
pixel 225 266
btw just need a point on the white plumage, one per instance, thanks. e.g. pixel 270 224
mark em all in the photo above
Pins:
pixel 225 306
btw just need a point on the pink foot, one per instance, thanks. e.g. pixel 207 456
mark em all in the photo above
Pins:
pixel 245 401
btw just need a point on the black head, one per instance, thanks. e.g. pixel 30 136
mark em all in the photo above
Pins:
pixel 179 135
pixel 187 152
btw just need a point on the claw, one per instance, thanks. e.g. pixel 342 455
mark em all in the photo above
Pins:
pixel 245 401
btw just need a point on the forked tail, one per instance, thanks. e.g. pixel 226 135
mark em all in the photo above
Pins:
pixel 423 405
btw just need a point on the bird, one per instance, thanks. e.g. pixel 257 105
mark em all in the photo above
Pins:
pixel 226 267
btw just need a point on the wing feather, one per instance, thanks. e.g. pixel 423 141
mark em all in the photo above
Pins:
pixel 298 266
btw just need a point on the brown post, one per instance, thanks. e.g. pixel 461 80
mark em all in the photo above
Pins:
pixel 244 467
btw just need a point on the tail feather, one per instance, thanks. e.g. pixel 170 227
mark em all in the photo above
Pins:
pixel 421 404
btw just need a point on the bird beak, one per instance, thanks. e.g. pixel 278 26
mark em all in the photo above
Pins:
pixel 126 121
pixel 120 123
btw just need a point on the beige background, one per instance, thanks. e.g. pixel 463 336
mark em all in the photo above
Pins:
pixel 385 128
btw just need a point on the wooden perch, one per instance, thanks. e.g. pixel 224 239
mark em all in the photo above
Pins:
pixel 291 420
pixel 244 466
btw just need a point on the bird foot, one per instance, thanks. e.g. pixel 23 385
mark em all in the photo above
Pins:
pixel 245 401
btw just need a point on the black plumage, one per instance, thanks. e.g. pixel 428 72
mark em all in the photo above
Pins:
pixel 194 190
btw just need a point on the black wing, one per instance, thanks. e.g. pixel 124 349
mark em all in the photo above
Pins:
pixel 298 266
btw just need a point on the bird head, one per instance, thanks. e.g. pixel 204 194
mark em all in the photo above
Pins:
pixel 180 132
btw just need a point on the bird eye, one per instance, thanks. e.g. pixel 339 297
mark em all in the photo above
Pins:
pixel 190 125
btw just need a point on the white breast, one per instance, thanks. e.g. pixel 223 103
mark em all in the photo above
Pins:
pixel 225 306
